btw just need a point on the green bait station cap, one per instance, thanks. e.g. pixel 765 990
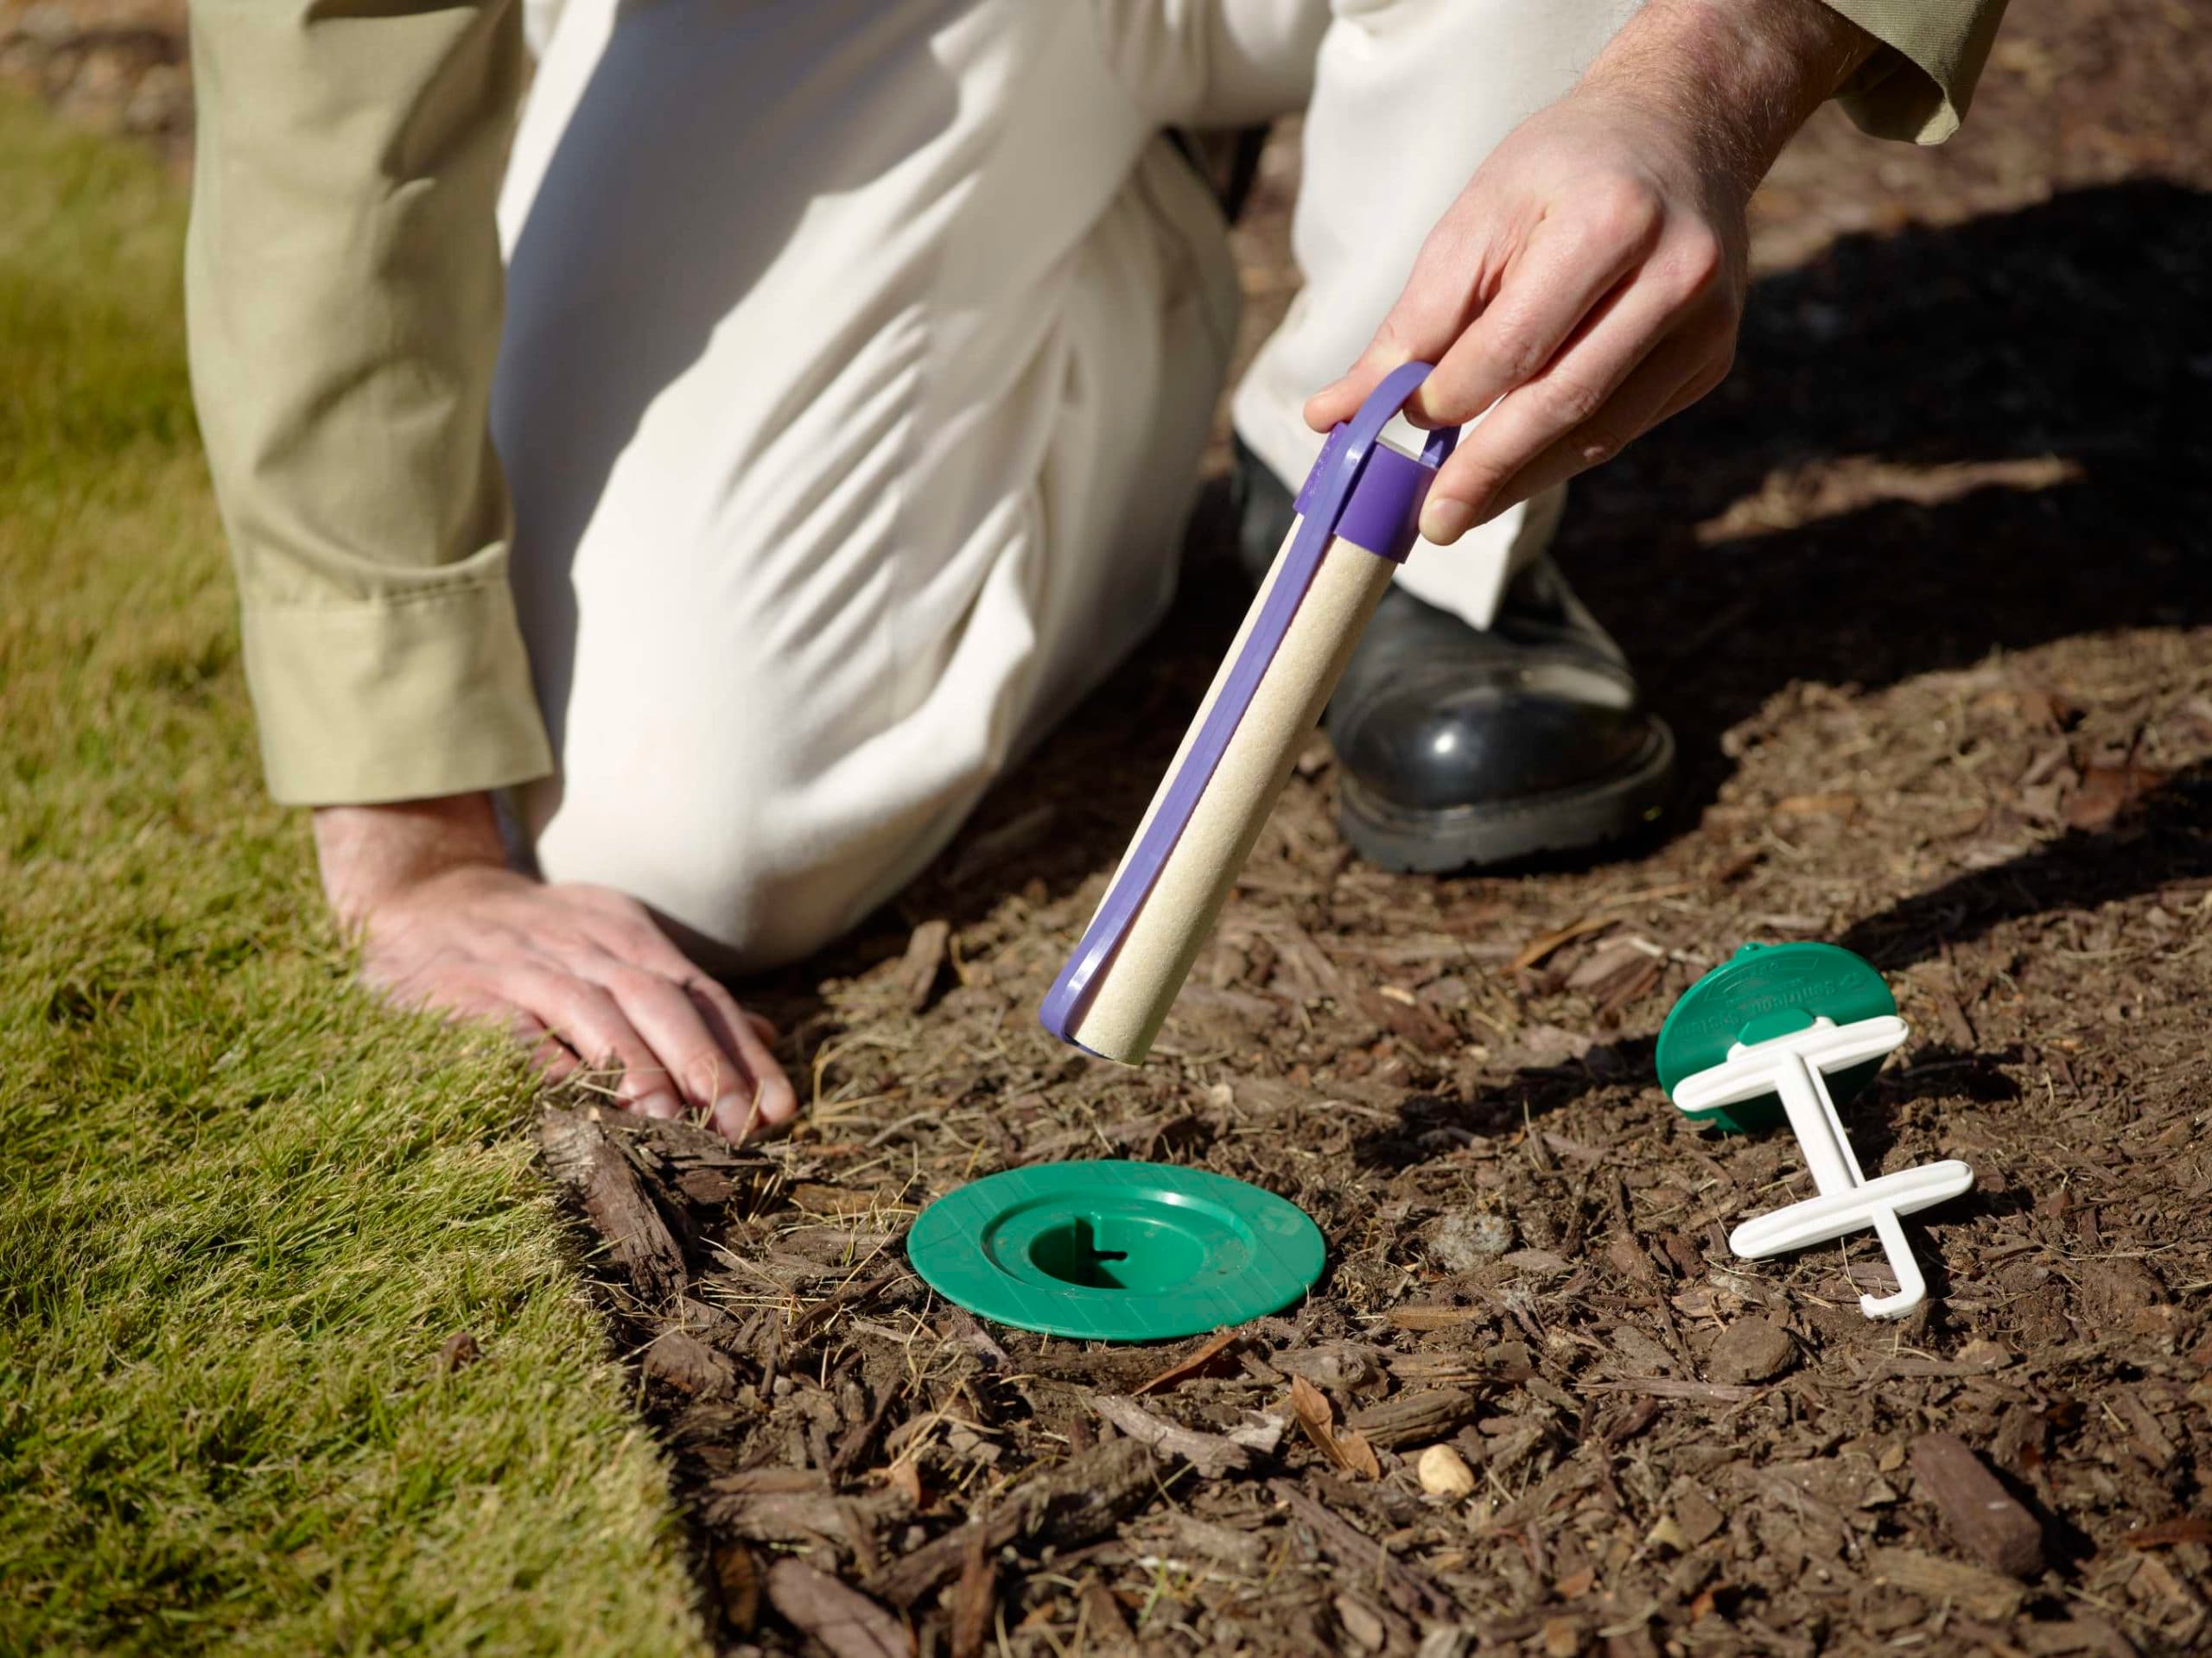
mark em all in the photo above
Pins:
pixel 1763 991
pixel 1116 1251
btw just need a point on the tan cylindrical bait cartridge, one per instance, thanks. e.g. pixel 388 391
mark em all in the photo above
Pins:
pixel 1356 519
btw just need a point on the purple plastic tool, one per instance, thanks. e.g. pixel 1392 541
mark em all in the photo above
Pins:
pixel 1360 491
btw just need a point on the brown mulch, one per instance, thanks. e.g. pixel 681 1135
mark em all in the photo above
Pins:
pixel 1925 591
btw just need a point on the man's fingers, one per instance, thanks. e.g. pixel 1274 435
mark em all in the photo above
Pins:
pixel 587 1017
pixel 692 1054
pixel 1341 401
pixel 1666 383
pixel 1575 394
pixel 1482 347
pixel 549 1055
pixel 735 1075
pixel 765 1098
pixel 1569 267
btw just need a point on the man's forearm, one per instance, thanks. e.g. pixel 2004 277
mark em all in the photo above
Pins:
pixel 343 285
pixel 1749 72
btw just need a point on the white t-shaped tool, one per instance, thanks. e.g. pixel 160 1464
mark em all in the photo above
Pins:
pixel 1794 1066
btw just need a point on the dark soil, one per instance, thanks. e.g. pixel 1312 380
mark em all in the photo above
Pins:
pixel 1925 591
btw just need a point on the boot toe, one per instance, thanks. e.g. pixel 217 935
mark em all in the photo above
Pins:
pixel 1429 744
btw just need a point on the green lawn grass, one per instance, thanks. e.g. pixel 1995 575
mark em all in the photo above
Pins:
pixel 240 1208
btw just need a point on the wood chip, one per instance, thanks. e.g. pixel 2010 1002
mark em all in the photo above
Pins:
pixel 1196 1363
pixel 1101 1618
pixel 924 963
pixel 1544 943
pixel 2189 1528
pixel 1361 1624
pixel 1348 1450
pixel 688 1365
pixel 737 1575
pixel 842 1619
pixel 1719 1393
pixel 1983 1517
pixel 1979 1593
pixel 1415 1417
pixel 857 1293
pixel 580 1155
pixel 1435 1317
pixel 974 1599
pixel 1081 1500
pixel 1213 1456
pixel 1412 1592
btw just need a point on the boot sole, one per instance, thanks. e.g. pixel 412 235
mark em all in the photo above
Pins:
pixel 1572 820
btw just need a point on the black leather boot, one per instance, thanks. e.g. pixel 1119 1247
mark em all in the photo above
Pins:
pixel 1460 745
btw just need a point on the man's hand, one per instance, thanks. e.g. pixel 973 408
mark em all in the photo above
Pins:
pixel 580 972
pixel 1588 284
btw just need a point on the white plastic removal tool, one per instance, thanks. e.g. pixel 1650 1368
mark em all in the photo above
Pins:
pixel 1794 1066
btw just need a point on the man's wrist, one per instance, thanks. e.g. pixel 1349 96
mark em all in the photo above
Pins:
pixel 368 853
pixel 1745 73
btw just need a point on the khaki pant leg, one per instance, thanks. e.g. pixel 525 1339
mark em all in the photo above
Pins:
pixel 1409 96
pixel 858 359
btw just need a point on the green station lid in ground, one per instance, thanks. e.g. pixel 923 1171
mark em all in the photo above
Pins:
pixel 1763 991
pixel 1116 1251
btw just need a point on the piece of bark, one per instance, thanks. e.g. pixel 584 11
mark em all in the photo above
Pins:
pixel 1979 1593
pixel 1192 1364
pixel 1751 1350
pixel 1212 1455
pixel 857 1293
pixel 1076 1502
pixel 1372 1562
pixel 737 1574
pixel 2189 1529
pixel 2150 1440
pixel 1983 1518
pixel 457 1352
pixel 1347 1449
pixel 1241 1551
pixel 1416 1418
pixel 925 960
pixel 1719 1393
pixel 1102 1621
pixel 1421 1318
pixel 694 1163
pixel 974 1597
pixel 581 1155
pixel 842 1619
pixel 690 1366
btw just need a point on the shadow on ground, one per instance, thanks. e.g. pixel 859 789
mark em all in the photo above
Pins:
pixel 1936 444
pixel 2165 839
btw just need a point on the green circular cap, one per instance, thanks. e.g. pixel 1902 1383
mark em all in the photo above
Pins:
pixel 1764 991
pixel 1118 1251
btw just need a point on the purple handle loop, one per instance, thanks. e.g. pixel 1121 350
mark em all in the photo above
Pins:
pixel 1375 506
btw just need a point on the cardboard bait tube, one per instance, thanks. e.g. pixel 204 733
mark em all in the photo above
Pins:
pixel 1133 993
pixel 1355 521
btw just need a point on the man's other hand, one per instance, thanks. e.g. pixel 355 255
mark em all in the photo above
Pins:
pixel 580 974
pixel 1588 281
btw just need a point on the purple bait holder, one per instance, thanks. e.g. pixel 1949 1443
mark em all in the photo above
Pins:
pixel 1360 491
